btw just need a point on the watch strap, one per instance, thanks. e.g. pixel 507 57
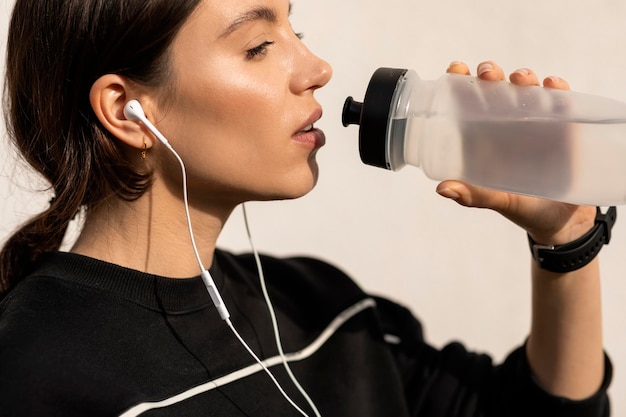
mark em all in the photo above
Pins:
pixel 578 253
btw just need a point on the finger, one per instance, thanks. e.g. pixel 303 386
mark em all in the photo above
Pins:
pixel 457 67
pixel 471 196
pixel 489 71
pixel 556 82
pixel 524 76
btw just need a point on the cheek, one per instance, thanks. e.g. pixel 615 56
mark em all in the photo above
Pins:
pixel 234 136
pixel 239 105
pixel 239 117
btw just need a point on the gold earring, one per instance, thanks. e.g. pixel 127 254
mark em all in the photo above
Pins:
pixel 143 152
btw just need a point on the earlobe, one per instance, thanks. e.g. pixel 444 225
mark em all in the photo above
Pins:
pixel 107 96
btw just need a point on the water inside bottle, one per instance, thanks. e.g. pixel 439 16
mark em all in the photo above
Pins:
pixel 580 162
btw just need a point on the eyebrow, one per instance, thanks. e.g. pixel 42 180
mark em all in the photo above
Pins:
pixel 259 13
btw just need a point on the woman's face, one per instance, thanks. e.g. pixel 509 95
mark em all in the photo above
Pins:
pixel 241 109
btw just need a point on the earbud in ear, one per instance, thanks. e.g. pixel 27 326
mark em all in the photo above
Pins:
pixel 133 111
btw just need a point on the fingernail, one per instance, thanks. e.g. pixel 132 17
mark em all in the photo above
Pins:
pixel 455 63
pixel 449 193
pixel 523 71
pixel 484 67
pixel 555 80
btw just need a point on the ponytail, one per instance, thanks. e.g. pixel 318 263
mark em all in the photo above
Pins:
pixel 43 233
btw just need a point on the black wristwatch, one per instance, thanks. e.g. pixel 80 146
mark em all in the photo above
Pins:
pixel 576 254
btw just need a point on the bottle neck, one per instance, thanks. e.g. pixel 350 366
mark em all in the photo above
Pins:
pixel 411 109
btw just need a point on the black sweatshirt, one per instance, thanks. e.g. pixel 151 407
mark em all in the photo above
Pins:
pixel 81 337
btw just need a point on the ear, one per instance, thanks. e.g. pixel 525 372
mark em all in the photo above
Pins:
pixel 107 96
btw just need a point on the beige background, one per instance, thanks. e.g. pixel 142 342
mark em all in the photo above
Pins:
pixel 464 272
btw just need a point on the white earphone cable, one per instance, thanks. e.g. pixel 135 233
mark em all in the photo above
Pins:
pixel 132 111
pixel 206 276
pixel 267 371
pixel 270 307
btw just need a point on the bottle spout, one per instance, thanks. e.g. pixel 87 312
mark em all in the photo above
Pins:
pixel 373 115
pixel 351 114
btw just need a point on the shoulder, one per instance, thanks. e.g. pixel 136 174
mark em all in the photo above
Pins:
pixel 47 319
pixel 37 309
pixel 308 278
pixel 302 266
pixel 32 335
pixel 315 286
pixel 34 300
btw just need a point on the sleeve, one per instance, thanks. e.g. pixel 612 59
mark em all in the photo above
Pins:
pixel 455 382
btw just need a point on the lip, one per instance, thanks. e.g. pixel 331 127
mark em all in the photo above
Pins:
pixel 313 137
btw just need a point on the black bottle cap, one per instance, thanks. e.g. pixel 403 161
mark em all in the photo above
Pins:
pixel 373 115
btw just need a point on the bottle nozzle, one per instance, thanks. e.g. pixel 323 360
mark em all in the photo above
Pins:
pixel 351 114
pixel 373 115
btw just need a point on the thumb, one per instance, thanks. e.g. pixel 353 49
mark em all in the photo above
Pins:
pixel 472 196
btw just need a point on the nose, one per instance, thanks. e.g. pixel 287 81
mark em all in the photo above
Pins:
pixel 323 74
pixel 313 72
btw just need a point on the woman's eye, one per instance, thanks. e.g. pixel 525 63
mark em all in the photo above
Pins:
pixel 258 50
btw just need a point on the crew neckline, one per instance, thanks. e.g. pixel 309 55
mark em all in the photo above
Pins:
pixel 173 295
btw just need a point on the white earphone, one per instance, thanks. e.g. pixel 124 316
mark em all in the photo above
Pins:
pixel 134 112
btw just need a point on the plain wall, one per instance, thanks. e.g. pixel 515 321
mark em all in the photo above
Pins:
pixel 464 272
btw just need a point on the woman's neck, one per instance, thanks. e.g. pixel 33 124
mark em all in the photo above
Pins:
pixel 152 238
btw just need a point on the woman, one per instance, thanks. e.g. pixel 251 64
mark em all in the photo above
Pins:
pixel 123 325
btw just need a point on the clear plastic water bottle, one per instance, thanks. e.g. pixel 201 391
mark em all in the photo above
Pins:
pixel 549 143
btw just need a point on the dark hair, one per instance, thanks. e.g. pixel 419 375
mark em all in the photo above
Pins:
pixel 56 50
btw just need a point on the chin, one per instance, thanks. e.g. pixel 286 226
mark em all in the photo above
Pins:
pixel 307 184
pixel 299 186
pixel 294 193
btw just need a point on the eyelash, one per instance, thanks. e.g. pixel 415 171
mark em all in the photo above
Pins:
pixel 258 50
pixel 262 48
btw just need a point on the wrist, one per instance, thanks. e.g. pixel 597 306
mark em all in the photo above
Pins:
pixel 576 254
pixel 578 223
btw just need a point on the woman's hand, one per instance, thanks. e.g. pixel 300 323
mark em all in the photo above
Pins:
pixel 547 222
pixel 564 347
